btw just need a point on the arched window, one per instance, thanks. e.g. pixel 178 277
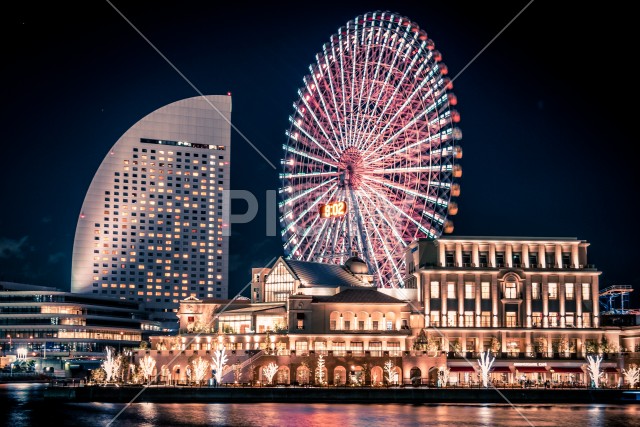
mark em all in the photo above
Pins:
pixel 339 375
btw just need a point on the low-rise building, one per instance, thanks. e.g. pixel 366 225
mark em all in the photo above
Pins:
pixel 52 326
pixel 532 303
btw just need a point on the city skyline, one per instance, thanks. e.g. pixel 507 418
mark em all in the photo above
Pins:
pixel 543 154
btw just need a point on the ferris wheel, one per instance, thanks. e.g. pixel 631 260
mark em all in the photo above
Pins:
pixel 372 151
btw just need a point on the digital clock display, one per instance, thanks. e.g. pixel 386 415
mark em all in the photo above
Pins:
pixel 333 209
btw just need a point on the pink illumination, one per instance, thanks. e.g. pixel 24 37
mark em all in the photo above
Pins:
pixel 373 129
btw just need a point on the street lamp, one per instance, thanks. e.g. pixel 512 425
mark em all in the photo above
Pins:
pixel 119 342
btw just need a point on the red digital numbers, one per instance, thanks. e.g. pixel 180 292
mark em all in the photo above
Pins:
pixel 333 209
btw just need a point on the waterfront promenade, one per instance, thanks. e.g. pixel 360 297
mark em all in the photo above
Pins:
pixel 292 394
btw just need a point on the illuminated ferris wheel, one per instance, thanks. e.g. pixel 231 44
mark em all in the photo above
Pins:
pixel 371 157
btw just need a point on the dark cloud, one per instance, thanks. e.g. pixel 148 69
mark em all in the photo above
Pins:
pixel 13 248
pixel 56 257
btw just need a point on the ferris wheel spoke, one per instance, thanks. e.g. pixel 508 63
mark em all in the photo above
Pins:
pixel 343 93
pixel 430 139
pixel 304 235
pixel 426 168
pixel 408 217
pixel 359 119
pixel 398 50
pixel 415 91
pixel 380 39
pixel 306 192
pixel 413 121
pixel 328 116
pixel 384 218
pixel 313 205
pixel 293 175
pixel 372 253
pixel 389 72
pixel 309 156
pixel 353 52
pixel 409 191
pixel 383 242
pixel 317 238
pixel 398 87
pixel 312 139
pixel 335 117
pixel 311 111
pixel 374 146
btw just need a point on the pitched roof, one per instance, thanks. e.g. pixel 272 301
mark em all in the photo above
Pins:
pixel 359 295
pixel 320 274
pixel 254 308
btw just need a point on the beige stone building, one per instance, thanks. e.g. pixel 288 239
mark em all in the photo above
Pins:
pixel 531 302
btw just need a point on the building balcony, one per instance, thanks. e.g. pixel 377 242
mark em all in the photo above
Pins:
pixel 516 355
pixel 395 331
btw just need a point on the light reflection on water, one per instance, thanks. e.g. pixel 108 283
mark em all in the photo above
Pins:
pixel 22 405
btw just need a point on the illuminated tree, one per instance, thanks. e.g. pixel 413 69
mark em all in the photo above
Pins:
pixel 443 375
pixel 632 375
pixel 594 369
pixel 98 375
pixel 270 371
pixel 206 319
pixel 111 364
pixel 200 368
pixel 237 372
pixel 303 373
pixel 219 359
pixel 147 364
pixel 392 375
pixel 320 370
pixel 485 362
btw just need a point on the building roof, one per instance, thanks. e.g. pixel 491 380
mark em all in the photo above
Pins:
pixel 360 295
pixel 320 274
pixel 356 265
pixel 254 308
pixel 507 238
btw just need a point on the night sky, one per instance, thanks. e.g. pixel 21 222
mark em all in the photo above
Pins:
pixel 546 135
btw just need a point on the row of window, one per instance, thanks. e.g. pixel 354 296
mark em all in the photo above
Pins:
pixel 500 258
pixel 510 290
pixel 160 300
pixel 180 144
pixel 484 320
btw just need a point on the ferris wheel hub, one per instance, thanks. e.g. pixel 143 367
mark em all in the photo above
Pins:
pixel 350 167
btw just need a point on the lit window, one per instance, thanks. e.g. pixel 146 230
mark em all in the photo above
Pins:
pixel 435 290
pixel 510 290
pixel 469 290
pixel 451 290
pixel 569 291
pixel 435 318
pixel 486 290
pixel 535 291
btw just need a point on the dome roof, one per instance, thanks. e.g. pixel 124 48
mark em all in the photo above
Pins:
pixel 356 265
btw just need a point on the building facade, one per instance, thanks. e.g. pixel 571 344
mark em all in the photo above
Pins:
pixel 536 314
pixel 152 225
pixel 41 323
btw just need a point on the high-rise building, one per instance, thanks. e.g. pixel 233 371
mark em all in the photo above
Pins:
pixel 151 226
